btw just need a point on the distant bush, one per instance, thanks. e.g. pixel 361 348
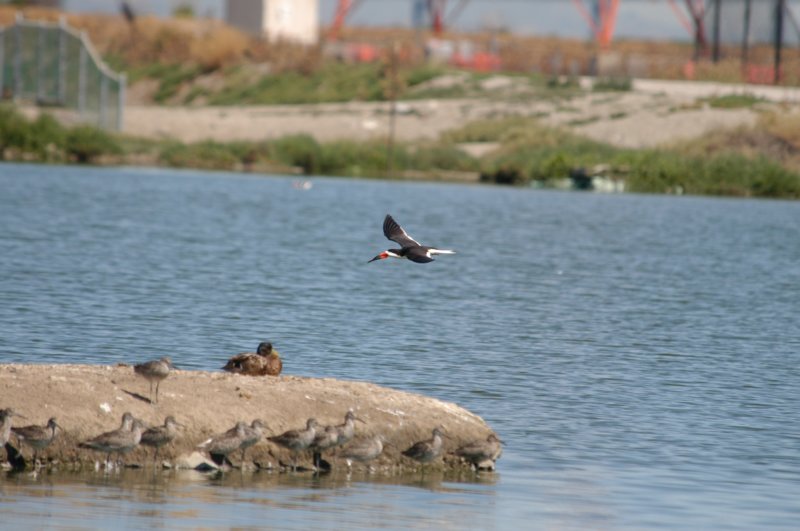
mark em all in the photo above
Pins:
pixel 734 101
pixel 85 143
pixel 37 138
pixel 442 157
pixel 208 155
pixel 612 84
pixel 523 159
pixel 347 157
pixel 297 150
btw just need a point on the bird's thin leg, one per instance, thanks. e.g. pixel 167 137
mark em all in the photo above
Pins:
pixel 157 384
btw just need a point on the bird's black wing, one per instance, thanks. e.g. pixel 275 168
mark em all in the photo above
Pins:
pixel 419 255
pixel 395 232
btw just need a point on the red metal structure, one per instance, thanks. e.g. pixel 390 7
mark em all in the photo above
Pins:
pixel 601 17
pixel 436 10
pixel 604 22
pixel 343 8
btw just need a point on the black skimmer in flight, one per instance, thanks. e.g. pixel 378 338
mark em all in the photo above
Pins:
pixel 411 249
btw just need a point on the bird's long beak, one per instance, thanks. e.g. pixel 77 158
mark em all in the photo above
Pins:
pixel 380 256
pixel 362 421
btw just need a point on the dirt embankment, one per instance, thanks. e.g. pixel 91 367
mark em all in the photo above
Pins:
pixel 88 400
pixel 653 113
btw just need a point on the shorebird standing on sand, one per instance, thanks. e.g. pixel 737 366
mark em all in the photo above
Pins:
pixel 411 249
pixel 265 361
pixel 224 444
pixel 347 429
pixel 158 436
pixel 37 437
pixel 297 440
pixel 119 441
pixel 154 371
pixel 324 440
pixel 428 450
pixel 364 450
pixel 482 454
pixel 252 435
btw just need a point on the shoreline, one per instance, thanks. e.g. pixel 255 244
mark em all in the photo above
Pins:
pixel 88 400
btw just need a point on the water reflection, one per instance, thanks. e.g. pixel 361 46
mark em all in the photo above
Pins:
pixel 157 497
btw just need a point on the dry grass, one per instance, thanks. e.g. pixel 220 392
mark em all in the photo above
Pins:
pixel 212 45
pixel 785 126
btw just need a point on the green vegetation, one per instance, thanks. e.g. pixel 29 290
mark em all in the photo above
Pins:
pixel 734 101
pixel 243 85
pixel 45 139
pixel 529 153
pixel 612 84
pixel 535 154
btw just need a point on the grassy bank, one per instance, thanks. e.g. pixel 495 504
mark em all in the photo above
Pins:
pixel 763 161
pixel 743 162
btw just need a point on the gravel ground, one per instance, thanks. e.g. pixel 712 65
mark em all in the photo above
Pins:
pixel 653 113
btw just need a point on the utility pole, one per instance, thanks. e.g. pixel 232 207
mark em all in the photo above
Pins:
pixel 746 33
pixel 780 10
pixel 715 49
pixel 392 88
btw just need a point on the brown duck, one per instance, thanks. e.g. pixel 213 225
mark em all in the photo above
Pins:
pixel 266 361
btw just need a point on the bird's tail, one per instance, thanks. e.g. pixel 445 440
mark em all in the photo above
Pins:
pixel 441 251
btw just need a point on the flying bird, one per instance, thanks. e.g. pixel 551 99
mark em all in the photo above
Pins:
pixel 410 248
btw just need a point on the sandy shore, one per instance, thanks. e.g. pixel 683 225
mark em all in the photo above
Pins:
pixel 88 400
pixel 652 114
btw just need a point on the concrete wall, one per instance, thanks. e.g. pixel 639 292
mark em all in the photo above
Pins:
pixel 290 20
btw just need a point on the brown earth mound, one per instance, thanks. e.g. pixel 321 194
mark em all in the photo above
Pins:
pixel 87 400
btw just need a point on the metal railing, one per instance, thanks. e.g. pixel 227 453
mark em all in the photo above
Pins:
pixel 54 64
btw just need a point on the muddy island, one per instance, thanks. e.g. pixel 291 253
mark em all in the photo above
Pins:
pixel 88 400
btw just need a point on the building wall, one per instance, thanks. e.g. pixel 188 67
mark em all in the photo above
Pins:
pixel 293 20
pixel 289 20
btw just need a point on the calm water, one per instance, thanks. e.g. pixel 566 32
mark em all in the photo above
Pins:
pixel 639 355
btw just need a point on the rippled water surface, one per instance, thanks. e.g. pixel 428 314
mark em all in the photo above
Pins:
pixel 640 355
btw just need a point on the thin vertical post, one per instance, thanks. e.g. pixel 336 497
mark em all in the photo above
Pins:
pixel 40 33
pixel 123 82
pixel 18 58
pixel 103 100
pixel 392 90
pixel 746 33
pixel 717 14
pixel 82 77
pixel 2 62
pixel 62 61
pixel 780 9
